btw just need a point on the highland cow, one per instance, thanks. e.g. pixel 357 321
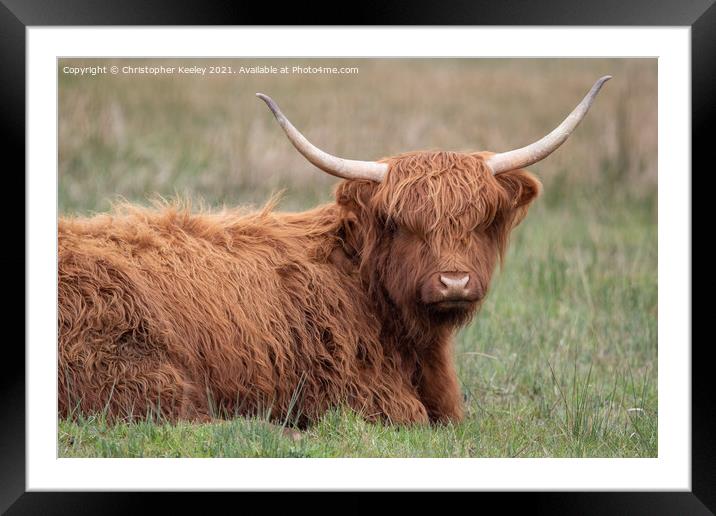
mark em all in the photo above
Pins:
pixel 286 315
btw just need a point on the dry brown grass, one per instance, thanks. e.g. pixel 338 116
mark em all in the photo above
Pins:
pixel 134 136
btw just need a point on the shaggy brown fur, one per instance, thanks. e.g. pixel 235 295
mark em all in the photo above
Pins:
pixel 190 315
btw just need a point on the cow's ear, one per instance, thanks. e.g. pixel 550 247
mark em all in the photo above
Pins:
pixel 521 187
pixel 354 197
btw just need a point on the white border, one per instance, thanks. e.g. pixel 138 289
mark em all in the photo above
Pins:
pixel 671 470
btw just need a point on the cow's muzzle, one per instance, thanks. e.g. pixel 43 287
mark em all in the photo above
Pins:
pixel 451 290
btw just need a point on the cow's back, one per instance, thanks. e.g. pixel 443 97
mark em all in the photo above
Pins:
pixel 189 314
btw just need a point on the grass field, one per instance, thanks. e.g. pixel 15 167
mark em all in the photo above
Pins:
pixel 561 361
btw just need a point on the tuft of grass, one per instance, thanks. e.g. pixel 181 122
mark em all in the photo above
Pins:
pixel 562 359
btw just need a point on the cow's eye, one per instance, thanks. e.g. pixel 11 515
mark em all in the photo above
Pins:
pixel 391 227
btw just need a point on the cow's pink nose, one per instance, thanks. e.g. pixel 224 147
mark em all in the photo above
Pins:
pixel 455 284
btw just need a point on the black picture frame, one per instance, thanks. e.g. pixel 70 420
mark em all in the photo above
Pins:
pixel 17 15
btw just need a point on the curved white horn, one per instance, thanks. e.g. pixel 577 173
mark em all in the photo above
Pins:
pixel 339 167
pixel 539 150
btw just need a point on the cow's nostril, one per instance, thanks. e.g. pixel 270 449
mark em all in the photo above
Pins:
pixel 454 283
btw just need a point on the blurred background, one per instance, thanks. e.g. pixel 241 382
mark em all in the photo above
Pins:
pixel 562 359
pixel 209 136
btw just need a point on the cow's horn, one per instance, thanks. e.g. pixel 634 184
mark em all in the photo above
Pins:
pixel 539 150
pixel 339 167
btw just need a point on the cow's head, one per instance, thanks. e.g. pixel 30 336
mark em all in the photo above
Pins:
pixel 427 228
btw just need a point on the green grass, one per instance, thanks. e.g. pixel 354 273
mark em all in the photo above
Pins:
pixel 562 359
